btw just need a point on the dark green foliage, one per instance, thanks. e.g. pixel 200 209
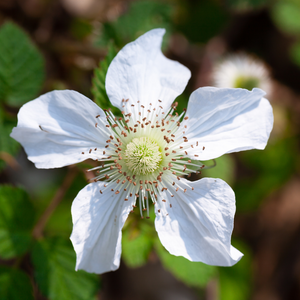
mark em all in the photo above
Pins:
pixel 191 273
pixel 271 168
pixel 141 17
pixel 21 66
pixel 235 282
pixel 137 245
pixel 202 20
pixel 7 144
pixel 224 169
pixel 16 221
pixel 14 285
pixel 245 5
pixel 54 262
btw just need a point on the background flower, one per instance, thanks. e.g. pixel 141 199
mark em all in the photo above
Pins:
pixel 241 71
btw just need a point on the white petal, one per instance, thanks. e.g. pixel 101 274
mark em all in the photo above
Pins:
pixel 140 72
pixel 97 227
pixel 200 222
pixel 227 120
pixel 57 127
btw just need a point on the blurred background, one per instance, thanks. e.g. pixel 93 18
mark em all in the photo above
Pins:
pixel 68 44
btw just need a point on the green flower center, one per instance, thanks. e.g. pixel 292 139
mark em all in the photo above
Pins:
pixel 142 156
pixel 246 82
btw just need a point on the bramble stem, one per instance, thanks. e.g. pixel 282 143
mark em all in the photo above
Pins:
pixel 40 225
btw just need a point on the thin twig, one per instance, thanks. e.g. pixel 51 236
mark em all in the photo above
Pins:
pixel 9 160
pixel 40 225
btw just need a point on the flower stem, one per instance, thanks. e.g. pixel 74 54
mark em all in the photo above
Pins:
pixel 40 225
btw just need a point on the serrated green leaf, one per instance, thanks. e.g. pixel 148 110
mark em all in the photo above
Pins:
pixel 21 66
pixel 16 221
pixel 54 263
pixel 98 89
pixel 14 285
pixel 136 246
pixel 191 273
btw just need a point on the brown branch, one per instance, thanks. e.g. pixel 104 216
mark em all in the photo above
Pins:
pixel 40 225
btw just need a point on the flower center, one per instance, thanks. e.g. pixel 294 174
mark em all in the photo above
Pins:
pixel 142 156
pixel 246 82
pixel 146 153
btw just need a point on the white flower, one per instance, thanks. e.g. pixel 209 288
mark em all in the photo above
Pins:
pixel 142 155
pixel 241 71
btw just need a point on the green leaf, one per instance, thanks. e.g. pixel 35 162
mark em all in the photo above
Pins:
pixel 295 53
pixel 224 169
pixel 98 88
pixel 16 222
pixel 7 144
pixel 244 5
pixel 236 282
pixel 14 285
pixel 136 246
pixel 54 263
pixel 141 17
pixel 191 273
pixel 286 15
pixel 81 28
pixel 21 66
pixel 267 171
pixel 196 21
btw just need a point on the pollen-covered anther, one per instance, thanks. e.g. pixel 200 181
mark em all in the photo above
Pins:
pixel 142 156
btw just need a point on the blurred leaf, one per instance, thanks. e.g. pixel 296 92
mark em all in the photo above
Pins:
pixel 7 144
pixel 191 273
pixel 286 15
pixel 81 28
pixel 136 246
pixel 21 66
pixel 197 23
pixel 295 53
pixel 14 285
pixel 54 263
pixel 268 171
pixel 236 281
pixel 16 221
pixel 224 169
pixel 98 88
pixel 244 5
pixel 141 17
pixel 60 223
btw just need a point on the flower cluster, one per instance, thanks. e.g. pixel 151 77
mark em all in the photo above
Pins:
pixel 144 155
